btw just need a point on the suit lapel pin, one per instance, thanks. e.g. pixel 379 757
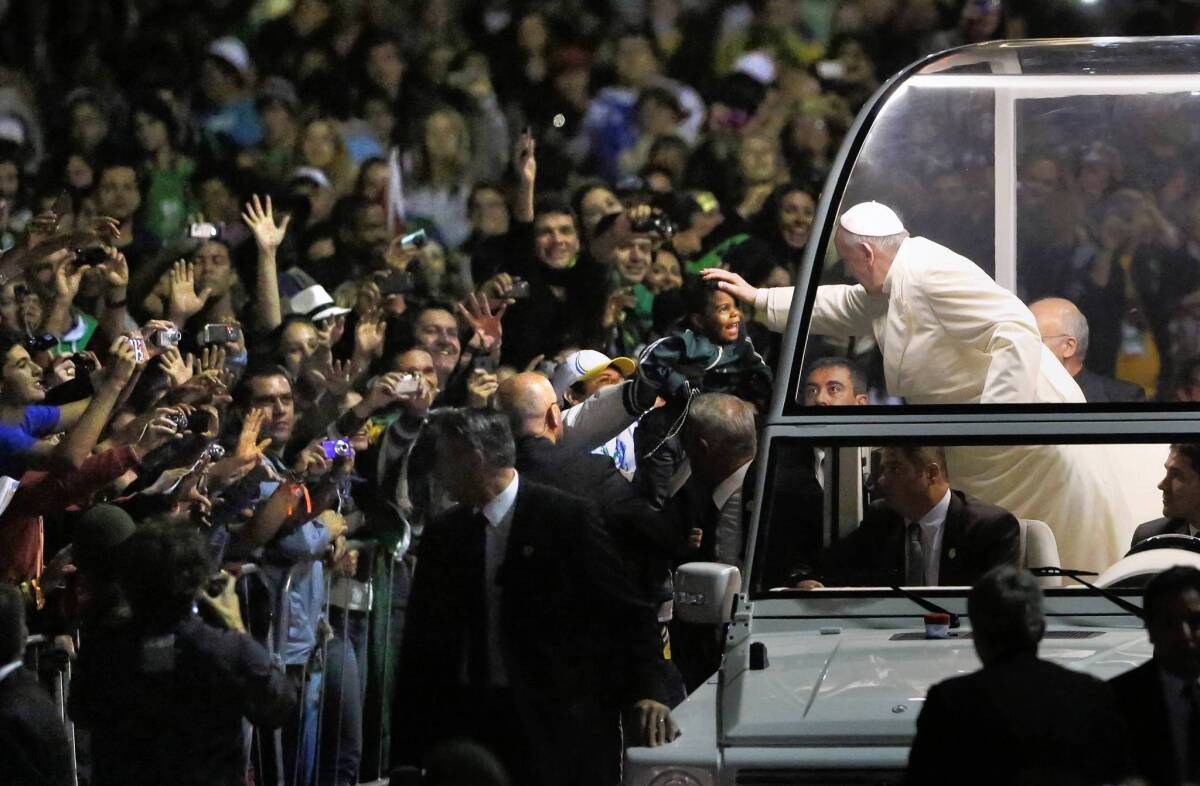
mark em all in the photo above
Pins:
pixel 953 553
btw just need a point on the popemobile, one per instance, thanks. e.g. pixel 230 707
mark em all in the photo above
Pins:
pixel 997 153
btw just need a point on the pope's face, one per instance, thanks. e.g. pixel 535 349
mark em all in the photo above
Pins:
pixel 860 262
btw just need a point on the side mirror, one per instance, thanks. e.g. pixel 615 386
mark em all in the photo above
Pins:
pixel 705 591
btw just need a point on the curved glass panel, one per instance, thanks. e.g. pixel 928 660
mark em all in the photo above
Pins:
pixel 1059 169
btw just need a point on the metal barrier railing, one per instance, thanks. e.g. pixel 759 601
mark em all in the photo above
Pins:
pixel 345 604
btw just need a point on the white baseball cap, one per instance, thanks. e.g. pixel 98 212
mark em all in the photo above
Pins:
pixel 232 51
pixel 315 303
pixel 871 219
pixel 584 365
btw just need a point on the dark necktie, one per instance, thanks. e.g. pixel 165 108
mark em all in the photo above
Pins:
pixel 914 573
pixel 477 633
pixel 1192 749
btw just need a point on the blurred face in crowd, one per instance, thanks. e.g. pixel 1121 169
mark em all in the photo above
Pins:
pixel 758 159
pixel 488 212
pixel 581 391
pixel 279 125
pixel 433 265
pixel 380 118
pixel 217 81
pixel 274 394
pixel 595 205
pixel 117 193
pixel 78 173
pixel 20 378
pixel 319 146
pixel 574 84
pixel 374 182
pixel 810 132
pixel 831 386
pixel 370 229
pixel 721 321
pixel 151 133
pixel 1180 488
pixel 10 179
pixel 298 342
pixel 1094 178
pixel 17 309
pixel 636 63
pixel 1174 628
pixel 436 332
pixel 420 363
pixel 556 243
pixel 385 67
pixel 214 268
pixel 217 201
pixel 796 213
pixel 532 36
pixel 1116 229
pixel 1041 180
pixel 633 259
pixel 664 272
pixel 88 126
pixel 445 136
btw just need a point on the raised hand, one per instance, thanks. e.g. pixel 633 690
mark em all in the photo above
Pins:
pixel 267 234
pixel 115 270
pixel 212 358
pixel 524 158
pixel 177 370
pixel 67 279
pixel 184 301
pixel 481 386
pixel 476 310
pixel 369 335
pixel 122 361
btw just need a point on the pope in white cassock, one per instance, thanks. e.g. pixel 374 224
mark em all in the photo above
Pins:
pixel 949 334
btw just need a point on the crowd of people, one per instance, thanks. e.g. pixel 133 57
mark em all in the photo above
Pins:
pixel 358 376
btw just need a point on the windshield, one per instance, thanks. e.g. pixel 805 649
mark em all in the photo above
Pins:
pixel 851 514
pixel 1067 183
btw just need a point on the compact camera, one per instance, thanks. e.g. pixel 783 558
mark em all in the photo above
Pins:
pixel 337 448
pixel 220 333
pixel 408 383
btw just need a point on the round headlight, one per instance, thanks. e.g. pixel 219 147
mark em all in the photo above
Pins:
pixel 674 778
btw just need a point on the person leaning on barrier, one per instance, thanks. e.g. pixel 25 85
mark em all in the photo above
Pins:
pixel 1019 719
pixel 33 742
pixel 1160 699
pixel 164 696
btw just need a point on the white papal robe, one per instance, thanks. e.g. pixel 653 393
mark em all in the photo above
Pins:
pixel 951 335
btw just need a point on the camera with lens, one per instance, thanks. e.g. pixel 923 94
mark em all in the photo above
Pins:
pixel 408 383
pixel 90 256
pixel 337 448
pixel 657 224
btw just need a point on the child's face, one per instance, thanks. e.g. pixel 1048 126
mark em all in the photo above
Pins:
pixel 721 321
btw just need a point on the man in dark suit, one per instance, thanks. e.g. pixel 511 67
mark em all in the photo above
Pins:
pixel 523 631
pixel 1181 496
pixel 709 512
pixel 1159 699
pixel 922 533
pixel 1020 719
pixel 33 743
pixel 1064 331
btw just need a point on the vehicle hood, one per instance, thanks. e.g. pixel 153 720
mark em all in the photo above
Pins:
pixel 858 687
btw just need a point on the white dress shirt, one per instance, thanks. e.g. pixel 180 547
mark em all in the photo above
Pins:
pixel 726 487
pixel 499 513
pixel 933 527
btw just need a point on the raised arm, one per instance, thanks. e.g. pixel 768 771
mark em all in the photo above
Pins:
pixel 267 236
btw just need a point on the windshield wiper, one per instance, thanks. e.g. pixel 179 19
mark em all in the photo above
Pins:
pixel 928 605
pixel 1071 573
